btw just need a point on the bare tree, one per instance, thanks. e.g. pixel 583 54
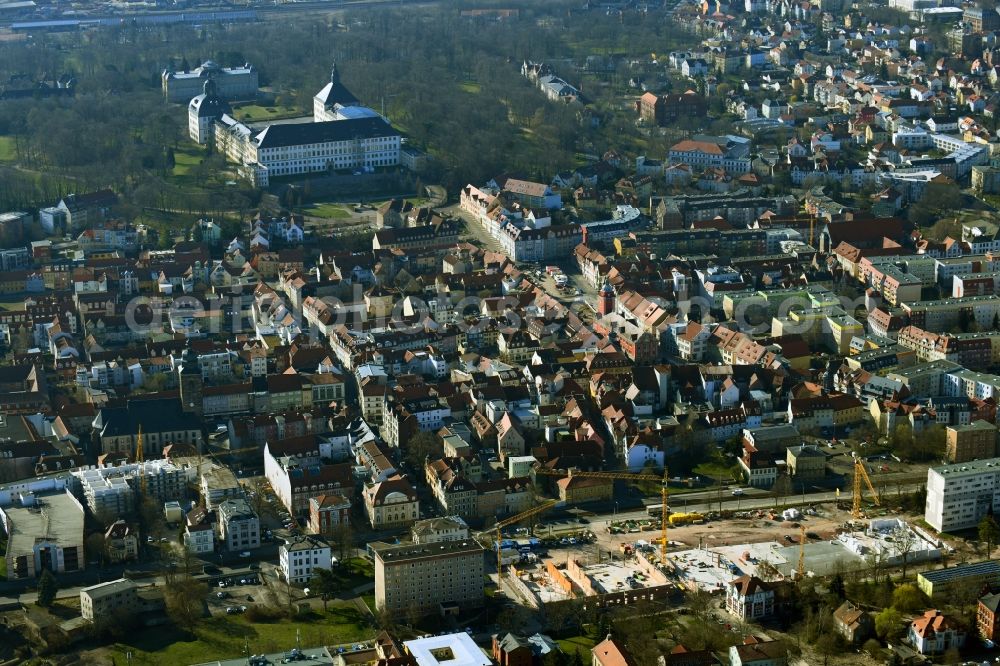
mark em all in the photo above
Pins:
pixel 343 540
pixel 96 546
pixel 906 542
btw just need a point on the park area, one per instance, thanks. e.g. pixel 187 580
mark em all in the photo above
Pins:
pixel 227 637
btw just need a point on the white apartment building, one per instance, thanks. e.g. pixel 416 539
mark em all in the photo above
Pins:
pixel 959 495
pixel 301 556
pixel 434 530
pixel 749 598
pixel 238 525
pixel 199 539
pixel 106 599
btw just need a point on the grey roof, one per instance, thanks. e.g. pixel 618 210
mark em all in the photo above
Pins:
pixel 416 551
pixel 430 525
pixel 992 602
pixel 279 136
pixel 987 568
pixel 111 587
pixel 808 451
pixel 236 509
pixel 58 518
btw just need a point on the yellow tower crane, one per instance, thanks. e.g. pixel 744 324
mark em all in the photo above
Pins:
pixel 859 474
pixel 139 458
pixel 513 520
pixel 627 476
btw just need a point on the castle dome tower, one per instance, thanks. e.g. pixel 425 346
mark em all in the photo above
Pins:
pixel 203 111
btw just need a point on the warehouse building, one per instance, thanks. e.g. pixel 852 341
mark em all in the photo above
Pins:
pixel 43 532
pixel 943 583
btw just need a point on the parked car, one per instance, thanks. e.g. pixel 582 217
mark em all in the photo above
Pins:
pixel 245 553
pixel 737 492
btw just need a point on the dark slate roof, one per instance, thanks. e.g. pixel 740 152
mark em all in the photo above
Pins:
pixel 153 415
pixel 335 93
pixel 279 136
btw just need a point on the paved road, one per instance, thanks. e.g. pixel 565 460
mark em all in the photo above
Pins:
pixel 701 503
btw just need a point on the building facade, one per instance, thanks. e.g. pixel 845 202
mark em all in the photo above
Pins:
pixel 427 576
pixel 749 598
pixel 970 442
pixel 328 512
pixel 301 556
pixel 232 83
pixel 960 495
pixel 238 525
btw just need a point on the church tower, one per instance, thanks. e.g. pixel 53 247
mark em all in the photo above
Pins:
pixel 606 299
pixel 191 383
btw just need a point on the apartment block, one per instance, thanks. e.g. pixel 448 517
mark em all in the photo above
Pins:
pixel 959 495
pixel 238 525
pixel 433 577
pixel 973 441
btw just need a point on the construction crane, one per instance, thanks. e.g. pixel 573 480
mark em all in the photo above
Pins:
pixel 627 476
pixel 802 552
pixel 861 473
pixel 534 511
pixel 139 458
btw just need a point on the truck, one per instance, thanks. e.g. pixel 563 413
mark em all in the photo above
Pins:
pixel 678 519
pixel 509 556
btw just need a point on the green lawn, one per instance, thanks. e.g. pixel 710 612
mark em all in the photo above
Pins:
pixel 15 304
pixel 328 211
pixel 356 571
pixel 256 112
pixel 186 158
pixel 226 637
pixel 578 644
pixel 7 149
pixel 470 87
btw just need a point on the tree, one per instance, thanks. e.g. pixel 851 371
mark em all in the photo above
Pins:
pixel 258 501
pixel 889 624
pixel 48 586
pixel 908 598
pixel 872 647
pixel 989 533
pixel 95 547
pixel 184 601
pixel 828 644
pixel 151 516
pixel 343 540
pixel 421 446
pixel 905 542
pixel 325 584
pixel 837 587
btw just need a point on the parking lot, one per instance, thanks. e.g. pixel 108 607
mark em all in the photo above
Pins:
pixel 234 594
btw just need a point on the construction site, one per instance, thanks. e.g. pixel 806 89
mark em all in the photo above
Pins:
pixel 854 546
pixel 628 578
pixel 650 558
